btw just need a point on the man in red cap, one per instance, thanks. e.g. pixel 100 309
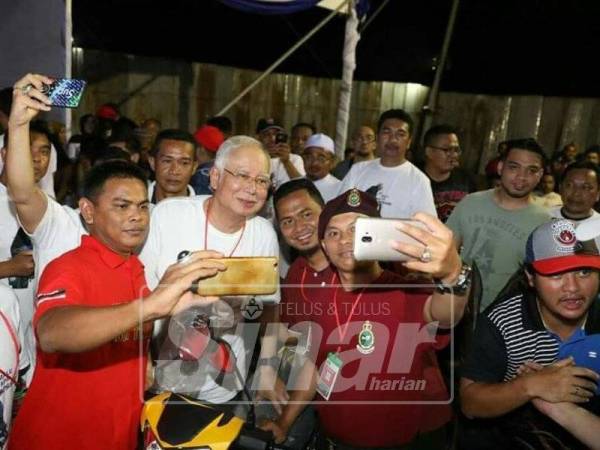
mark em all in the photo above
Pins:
pixel 209 140
pixel 374 341
pixel 548 305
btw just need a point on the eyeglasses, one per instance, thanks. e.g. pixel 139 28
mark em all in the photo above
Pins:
pixel 448 150
pixel 261 182
pixel 365 139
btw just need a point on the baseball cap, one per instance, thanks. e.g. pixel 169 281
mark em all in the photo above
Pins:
pixel 209 137
pixel 107 112
pixel 320 140
pixel 266 124
pixel 352 200
pixel 553 247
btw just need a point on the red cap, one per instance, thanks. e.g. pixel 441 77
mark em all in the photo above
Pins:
pixel 209 137
pixel 107 112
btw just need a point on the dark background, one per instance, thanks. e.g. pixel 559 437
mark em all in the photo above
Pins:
pixel 545 47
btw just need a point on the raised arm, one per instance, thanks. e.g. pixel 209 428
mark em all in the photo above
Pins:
pixel 438 257
pixel 28 101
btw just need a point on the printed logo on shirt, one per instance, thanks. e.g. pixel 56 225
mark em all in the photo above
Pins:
pixel 58 294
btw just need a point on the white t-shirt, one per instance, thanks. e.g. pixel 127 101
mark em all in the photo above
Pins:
pixel 328 186
pixel 47 182
pixel 556 212
pixel 152 186
pixel 58 232
pixel 178 224
pixel 9 226
pixel 401 191
pixel 12 357
pixel 278 173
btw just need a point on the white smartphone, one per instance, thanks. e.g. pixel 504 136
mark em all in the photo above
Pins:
pixel 373 239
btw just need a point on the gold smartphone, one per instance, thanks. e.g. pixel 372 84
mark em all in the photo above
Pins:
pixel 243 276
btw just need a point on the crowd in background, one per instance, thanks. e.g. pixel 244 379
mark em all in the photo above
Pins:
pixel 488 218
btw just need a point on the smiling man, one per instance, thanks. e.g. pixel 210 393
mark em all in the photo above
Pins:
pixel 359 321
pixel 226 222
pixel 492 226
pixel 400 187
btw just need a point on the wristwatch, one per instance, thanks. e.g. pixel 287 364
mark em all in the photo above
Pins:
pixel 272 361
pixel 463 282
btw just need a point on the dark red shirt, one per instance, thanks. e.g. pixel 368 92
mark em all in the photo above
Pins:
pixel 93 399
pixel 299 287
pixel 402 366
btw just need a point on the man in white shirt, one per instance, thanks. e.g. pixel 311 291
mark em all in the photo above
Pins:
pixel 579 190
pixel 400 187
pixel 319 152
pixel 225 222
pixel 284 164
pixel 16 259
pixel 173 158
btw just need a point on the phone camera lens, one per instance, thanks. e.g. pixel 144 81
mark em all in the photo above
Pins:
pixel 367 239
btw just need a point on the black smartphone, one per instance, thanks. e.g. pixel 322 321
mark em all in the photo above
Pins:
pixel 65 92
pixel 281 138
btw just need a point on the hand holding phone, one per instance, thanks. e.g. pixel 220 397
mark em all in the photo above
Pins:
pixel 373 239
pixel 242 276
pixel 64 92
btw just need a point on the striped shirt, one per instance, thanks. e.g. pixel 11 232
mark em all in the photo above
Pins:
pixel 509 333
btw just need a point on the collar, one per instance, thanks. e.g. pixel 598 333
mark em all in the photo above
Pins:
pixel 108 256
pixel 152 193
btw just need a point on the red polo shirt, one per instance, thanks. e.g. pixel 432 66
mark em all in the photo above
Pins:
pixel 298 288
pixel 93 399
pixel 387 373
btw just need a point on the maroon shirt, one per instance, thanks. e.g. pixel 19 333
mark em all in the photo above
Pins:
pixel 390 373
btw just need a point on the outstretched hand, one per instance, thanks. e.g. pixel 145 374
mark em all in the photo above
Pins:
pixel 437 255
pixel 173 294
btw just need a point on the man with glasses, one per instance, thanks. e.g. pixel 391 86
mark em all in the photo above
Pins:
pixel 441 153
pixel 492 226
pixel 318 156
pixel 225 222
pixel 363 146
pixel 400 187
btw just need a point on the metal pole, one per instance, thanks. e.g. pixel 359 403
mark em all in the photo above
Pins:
pixel 435 88
pixel 282 58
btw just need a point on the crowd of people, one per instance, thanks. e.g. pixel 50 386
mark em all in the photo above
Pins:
pixel 91 282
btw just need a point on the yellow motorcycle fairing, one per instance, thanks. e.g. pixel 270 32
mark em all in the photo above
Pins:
pixel 178 421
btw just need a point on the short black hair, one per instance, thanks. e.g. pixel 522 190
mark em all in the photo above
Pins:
pixel 111 153
pixel 35 126
pixel 223 123
pixel 176 135
pixel 297 184
pixel 592 149
pixel 581 165
pixel 6 95
pixel 98 176
pixel 438 130
pixel 306 125
pixel 529 144
pixel 399 114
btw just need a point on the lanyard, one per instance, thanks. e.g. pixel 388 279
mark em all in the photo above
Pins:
pixel 342 331
pixel 206 231
pixel 15 341
pixel 302 293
